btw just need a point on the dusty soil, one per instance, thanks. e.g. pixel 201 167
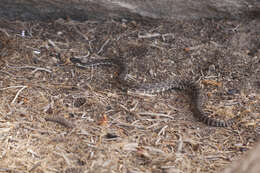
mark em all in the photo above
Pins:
pixel 55 117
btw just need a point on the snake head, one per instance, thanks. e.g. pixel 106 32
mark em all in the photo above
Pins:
pixel 74 60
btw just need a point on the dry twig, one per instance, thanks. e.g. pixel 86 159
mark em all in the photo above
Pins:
pixel 32 67
pixel 61 121
pixel 18 93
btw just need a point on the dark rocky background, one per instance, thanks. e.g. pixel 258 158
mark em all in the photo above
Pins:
pixel 134 9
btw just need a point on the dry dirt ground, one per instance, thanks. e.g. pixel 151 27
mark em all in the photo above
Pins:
pixel 55 117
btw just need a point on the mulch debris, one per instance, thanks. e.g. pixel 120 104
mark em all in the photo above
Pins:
pixel 55 117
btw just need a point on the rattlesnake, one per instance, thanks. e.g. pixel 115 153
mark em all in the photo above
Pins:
pixel 190 88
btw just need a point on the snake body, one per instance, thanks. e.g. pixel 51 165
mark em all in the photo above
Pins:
pixel 191 88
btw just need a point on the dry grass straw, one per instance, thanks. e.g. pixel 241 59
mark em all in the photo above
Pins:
pixel 57 118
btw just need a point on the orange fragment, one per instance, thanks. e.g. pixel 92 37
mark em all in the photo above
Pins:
pixel 103 121
pixel 23 99
pixel 212 82
pixel 187 49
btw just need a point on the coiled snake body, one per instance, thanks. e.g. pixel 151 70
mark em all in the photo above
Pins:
pixel 190 88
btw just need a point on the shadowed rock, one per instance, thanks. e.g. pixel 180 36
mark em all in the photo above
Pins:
pixel 118 9
pixel 248 164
